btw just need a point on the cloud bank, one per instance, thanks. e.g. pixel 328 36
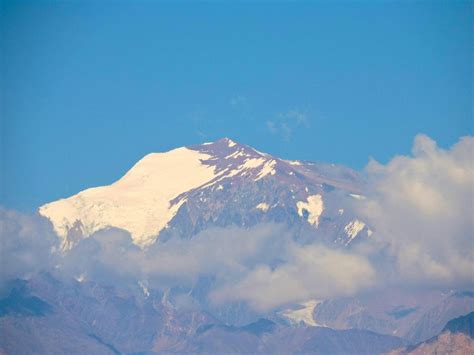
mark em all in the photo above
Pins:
pixel 308 272
pixel 261 265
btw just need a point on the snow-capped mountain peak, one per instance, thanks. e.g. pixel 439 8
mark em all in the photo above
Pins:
pixel 147 197
pixel 208 179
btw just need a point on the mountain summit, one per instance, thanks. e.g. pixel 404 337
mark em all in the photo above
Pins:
pixel 220 183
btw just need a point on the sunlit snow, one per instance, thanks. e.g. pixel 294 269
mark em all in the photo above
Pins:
pixel 139 202
pixel 302 315
pixel 314 206
pixel 268 168
pixel 353 228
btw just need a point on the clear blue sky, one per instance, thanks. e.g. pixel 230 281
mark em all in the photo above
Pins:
pixel 90 87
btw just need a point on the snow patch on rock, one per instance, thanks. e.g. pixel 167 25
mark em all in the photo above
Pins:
pixel 236 154
pixel 357 197
pixel 314 206
pixel 144 286
pixel 81 278
pixel 353 228
pixel 294 162
pixel 268 168
pixel 230 143
pixel 302 315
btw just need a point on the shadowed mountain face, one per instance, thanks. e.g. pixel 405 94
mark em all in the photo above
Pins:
pixel 92 318
pixel 19 302
pixel 463 324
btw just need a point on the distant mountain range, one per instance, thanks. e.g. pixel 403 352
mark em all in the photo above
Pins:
pixel 413 315
pixel 45 315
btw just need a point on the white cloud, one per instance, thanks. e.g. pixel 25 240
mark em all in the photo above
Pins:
pixel 309 272
pixel 221 252
pixel 261 265
pixel 421 209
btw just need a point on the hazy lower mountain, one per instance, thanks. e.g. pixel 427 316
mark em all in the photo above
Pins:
pixel 267 337
pixel 46 315
pixel 457 338
pixel 413 315
pixel 453 305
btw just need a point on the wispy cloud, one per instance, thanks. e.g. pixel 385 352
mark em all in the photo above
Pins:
pixel 285 123
pixel 238 101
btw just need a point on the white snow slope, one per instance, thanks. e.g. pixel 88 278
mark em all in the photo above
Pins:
pixel 303 314
pixel 140 202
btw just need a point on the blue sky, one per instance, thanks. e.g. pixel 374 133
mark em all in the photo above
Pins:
pixel 88 88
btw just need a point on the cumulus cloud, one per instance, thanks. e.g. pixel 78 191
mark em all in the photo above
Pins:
pixel 421 209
